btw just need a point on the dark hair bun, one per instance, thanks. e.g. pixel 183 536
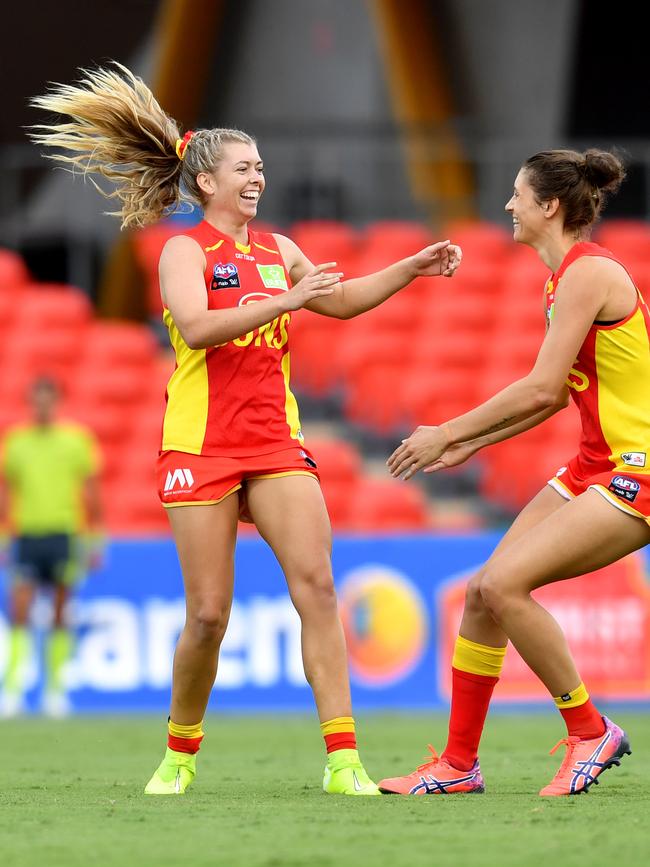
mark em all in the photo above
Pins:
pixel 603 170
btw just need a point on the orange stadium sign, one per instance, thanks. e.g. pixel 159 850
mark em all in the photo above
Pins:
pixel 606 618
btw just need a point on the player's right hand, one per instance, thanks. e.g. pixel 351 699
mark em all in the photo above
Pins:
pixel 321 281
pixel 454 456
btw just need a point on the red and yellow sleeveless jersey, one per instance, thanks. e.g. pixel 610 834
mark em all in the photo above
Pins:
pixel 610 383
pixel 234 399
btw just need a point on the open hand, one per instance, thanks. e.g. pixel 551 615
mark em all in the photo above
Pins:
pixel 321 281
pixel 455 455
pixel 422 449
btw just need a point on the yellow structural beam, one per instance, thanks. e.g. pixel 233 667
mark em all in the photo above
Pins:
pixel 439 174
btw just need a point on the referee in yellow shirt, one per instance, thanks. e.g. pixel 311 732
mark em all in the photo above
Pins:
pixel 50 500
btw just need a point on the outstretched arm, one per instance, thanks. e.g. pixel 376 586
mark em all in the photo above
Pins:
pixel 352 297
pixel 458 453
pixel 578 302
pixel 182 266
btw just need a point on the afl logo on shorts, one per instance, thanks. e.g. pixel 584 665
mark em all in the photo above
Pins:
pixel 225 276
pixel 625 488
pixel 252 297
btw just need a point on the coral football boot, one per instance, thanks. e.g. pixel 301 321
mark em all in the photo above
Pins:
pixel 435 777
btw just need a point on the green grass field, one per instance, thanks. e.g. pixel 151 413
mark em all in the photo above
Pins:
pixel 71 794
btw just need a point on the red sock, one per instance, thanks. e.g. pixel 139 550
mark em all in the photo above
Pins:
pixel 584 721
pixel 470 700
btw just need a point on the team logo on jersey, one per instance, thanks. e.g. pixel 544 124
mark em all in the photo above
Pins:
pixel 273 277
pixel 181 477
pixel 252 297
pixel 634 459
pixel 625 488
pixel 225 276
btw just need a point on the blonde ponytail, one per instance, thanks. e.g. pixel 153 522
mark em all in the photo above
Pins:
pixel 117 130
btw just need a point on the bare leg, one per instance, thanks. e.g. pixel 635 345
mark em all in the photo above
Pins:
pixel 205 541
pixel 587 534
pixel 291 516
pixel 22 597
pixel 478 624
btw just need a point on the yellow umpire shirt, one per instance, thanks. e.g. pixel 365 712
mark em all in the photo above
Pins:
pixel 45 469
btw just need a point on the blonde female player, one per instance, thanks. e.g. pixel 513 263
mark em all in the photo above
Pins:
pixel 596 509
pixel 231 425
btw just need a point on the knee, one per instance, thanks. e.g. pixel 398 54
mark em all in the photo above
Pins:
pixel 474 603
pixel 207 620
pixel 313 588
pixel 495 592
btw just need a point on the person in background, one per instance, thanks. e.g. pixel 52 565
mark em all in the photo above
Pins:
pixel 51 516
pixel 593 512
pixel 231 431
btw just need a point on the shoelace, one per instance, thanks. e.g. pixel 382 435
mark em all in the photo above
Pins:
pixel 570 744
pixel 434 759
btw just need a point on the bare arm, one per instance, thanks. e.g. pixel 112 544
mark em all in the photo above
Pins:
pixel 352 297
pixel 458 453
pixel 182 267
pixel 580 297
pixel 93 503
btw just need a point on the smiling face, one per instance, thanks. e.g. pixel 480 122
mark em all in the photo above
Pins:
pixel 528 214
pixel 238 182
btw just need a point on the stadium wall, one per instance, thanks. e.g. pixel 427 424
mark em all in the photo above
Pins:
pixel 401 599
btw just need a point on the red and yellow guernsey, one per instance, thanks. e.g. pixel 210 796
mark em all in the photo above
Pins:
pixel 610 384
pixel 234 400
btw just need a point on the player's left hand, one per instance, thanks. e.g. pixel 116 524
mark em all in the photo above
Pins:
pixel 440 259
pixel 421 449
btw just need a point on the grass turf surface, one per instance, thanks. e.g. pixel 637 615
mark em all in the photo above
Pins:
pixel 71 794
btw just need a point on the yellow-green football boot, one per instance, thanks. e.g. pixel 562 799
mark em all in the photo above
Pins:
pixel 345 775
pixel 173 775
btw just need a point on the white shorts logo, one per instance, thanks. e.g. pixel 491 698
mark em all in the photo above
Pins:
pixel 183 478
pixel 634 459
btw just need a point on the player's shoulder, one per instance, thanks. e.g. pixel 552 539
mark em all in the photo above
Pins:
pixel 16 432
pixel 76 431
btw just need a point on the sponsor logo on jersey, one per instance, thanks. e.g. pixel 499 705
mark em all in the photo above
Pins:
pixel 624 487
pixel 246 256
pixel 273 277
pixel 225 276
pixel 182 478
pixel 634 459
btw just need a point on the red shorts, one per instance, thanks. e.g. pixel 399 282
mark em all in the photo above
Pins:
pixel 629 492
pixel 192 480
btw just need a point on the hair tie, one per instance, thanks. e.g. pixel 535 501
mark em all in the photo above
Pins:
pixel 182 143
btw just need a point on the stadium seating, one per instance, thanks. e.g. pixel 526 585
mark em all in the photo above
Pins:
pixel 433 351
pixel 388 505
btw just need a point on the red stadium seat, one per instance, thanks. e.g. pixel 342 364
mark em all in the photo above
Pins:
pixel 327 241
pixel 111 425
pixel 53 306
pixel 389 505
pixel 53 353
pixel 628 239
pixel 481 241
pixel 116 343
pixel 315 343
pixel 14 274
pixel 339 462
pixel 134 510
pixel 397 238
pixel 107 385
pixel 374 398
